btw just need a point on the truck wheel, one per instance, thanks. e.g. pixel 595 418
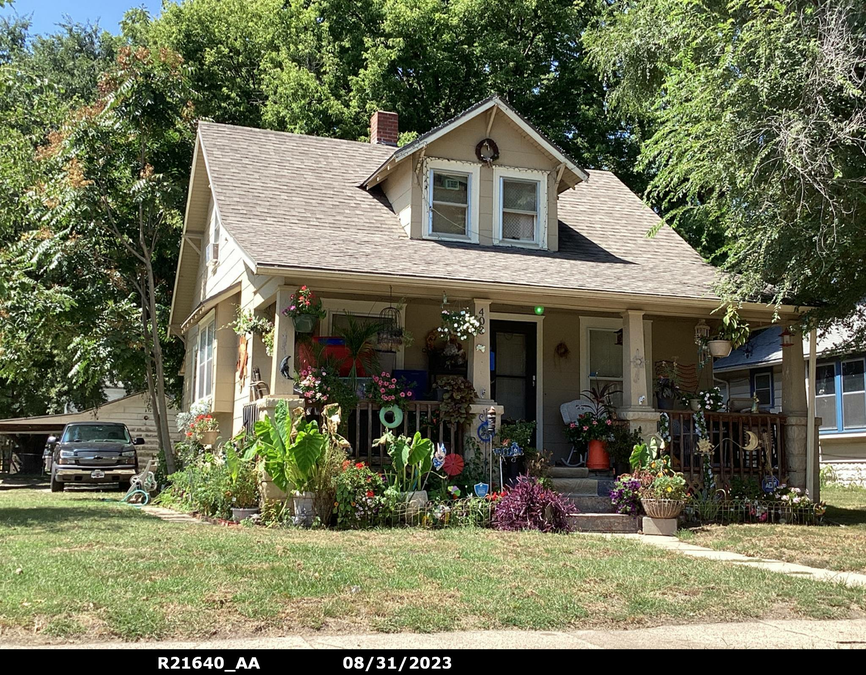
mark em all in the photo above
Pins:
pixel 56 485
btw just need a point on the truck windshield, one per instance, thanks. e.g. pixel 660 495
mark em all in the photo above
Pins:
pixel 95 433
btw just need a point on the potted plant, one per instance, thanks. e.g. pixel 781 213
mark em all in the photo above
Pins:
pixel 665 496
pixel 391 395
pixel 243 491
pixel 305 309
pixel 458 396
pixel 619 446
pixel 248 323
pixel 592 430
pixel 667 385
pixel 205 429
pixel 732 333
pixel 303 458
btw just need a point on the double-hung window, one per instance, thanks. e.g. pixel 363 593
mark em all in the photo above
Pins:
pixel 204 361
pixel 520 199
pixel 762 388
pixel 853 394
pixel 825 395
pixel 451 202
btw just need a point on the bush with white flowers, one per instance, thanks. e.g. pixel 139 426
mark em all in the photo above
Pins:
pixel 461 323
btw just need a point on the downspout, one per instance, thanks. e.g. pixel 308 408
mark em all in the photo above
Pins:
pixel 811 482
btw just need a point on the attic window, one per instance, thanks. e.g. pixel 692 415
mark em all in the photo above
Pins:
pixel 449 204
pixel 521 215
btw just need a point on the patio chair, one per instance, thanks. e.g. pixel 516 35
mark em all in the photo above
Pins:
pixel 570 412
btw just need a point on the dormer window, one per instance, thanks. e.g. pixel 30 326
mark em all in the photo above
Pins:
pixel 451 201
pixel 449 205
pixel 521 215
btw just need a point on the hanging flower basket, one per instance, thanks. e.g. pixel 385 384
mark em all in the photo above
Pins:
pixel 209 437
pixel 304 323
pixel 663 508
pixel 719 349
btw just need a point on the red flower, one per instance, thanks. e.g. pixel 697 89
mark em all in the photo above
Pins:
pixel 359 465
pixel 370 493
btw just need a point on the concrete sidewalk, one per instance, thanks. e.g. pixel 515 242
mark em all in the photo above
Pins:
pixel 818 574
pixel 848 634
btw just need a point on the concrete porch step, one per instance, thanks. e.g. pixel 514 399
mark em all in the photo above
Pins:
pixel 598 487
pixel 568 472
pixel 604 522
pixel 590 504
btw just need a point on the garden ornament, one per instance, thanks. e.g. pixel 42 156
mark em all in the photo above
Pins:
pixel 439 456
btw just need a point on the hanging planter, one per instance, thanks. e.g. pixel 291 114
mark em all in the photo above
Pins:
pixel 304 323
pixel 719 349
pixel 209 437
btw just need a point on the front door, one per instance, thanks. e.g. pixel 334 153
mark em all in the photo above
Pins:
pixel 512 363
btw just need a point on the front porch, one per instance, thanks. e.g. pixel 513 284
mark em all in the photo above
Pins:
pixel 530 360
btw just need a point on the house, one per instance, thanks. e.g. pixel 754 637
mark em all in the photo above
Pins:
pixel 22 439
pixel 755 370
pixel 484 209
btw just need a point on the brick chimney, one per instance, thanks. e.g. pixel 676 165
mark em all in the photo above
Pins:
pixel 383 128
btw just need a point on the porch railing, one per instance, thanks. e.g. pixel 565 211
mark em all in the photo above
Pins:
pixel 365 427
pixel 727 434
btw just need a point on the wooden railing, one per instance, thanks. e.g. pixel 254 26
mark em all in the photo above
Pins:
pixel 727 434
pixel 365 427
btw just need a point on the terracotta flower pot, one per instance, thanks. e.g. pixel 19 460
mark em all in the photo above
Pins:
pixel 598 459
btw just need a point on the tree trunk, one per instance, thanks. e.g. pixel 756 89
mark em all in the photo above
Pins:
pixel 148 366
pixel 159 374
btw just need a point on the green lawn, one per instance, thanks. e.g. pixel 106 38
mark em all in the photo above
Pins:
pixel 77 567
pixel 840 544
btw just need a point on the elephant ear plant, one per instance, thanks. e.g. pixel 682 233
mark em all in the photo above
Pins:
pixel 300 457
pixel 411 461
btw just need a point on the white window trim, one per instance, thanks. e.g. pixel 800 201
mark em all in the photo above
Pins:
pixel 361 308
pixel 473 219
pixel 505 172
pixel 588 323
pixel 204 324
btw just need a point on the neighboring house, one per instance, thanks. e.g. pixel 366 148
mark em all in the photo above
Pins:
pixel 25 436
pixel 755 369
pixel 367 224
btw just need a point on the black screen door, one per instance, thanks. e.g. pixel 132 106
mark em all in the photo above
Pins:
pixel 513 373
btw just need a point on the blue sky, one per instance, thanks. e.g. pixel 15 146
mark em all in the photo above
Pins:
pixel 47 13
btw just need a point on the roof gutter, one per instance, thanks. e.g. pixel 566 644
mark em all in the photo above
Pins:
pixel 552 296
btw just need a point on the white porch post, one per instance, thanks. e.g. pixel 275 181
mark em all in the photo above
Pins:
pixel 637 406
pixel 284 344
pixel 479 354
pixel 795 409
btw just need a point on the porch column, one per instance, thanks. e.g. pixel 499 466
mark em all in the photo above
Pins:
pixel 284 344
pixel 479 354
pixel 795 408
pixel 636 404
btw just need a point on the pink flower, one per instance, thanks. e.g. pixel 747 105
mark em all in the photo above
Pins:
pixel 608 422
pixel 382 390
pixel 402 395
pixel 408 393
pixel 586 428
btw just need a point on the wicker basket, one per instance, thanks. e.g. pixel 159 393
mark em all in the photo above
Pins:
pixel 663 508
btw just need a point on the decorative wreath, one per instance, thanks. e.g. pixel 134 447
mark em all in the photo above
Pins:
pixel 487 151
pixel 398 417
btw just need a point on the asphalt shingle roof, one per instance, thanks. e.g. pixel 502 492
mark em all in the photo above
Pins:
pixel 294 201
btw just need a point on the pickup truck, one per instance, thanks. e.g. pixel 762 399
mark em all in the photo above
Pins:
pixel 92 453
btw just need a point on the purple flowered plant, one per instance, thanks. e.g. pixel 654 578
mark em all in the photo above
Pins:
pixel 531 506
pixel 625 495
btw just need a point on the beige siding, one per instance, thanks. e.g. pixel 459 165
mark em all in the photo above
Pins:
pixel 515 150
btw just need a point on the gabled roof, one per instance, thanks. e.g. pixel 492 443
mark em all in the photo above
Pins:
pixel 461 118
pixel 294 203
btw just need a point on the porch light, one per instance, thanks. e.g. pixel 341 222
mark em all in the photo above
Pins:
pixel 786 337
pixel 539 309
pixel 702 332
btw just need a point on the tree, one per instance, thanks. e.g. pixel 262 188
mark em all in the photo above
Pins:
pixel 117 183
pixel 759 110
